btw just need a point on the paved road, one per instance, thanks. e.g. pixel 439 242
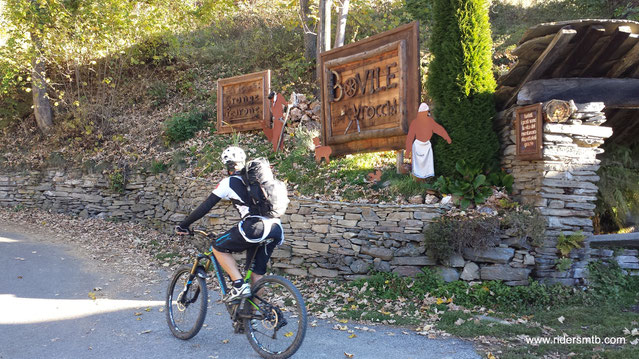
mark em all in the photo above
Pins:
pixel 46 312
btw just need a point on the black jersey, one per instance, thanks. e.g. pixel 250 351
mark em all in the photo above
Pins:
pixel 233 189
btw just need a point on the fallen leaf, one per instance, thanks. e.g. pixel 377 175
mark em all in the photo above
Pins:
pixel 352 336
pixel 343 320
pixel 19 277
pixel 225 341
pixel 148 309
pixel 19 258
pixel 561 319
pixel 137 314
pixel 92 295
pixel 289 334
pixel 634 332
pixel 145 331
pixel 635 342
pixel 460 321
pixel 490 355
pixel 349 355
pixel 626 331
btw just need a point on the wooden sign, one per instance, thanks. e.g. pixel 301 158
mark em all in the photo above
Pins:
pixel 242 102
pixel 370 91
pixel 528 132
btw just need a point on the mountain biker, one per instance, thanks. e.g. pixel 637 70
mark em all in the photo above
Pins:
pixel 247 234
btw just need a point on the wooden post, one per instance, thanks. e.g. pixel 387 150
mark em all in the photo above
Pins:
pixel 400 161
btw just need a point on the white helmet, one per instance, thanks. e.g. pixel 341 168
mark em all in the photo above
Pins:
pixel 234 158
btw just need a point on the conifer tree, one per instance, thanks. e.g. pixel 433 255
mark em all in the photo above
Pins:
pixel 460 81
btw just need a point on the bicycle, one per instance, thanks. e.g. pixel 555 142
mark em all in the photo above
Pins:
pixel 276 304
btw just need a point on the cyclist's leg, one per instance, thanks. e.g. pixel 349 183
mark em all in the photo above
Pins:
pixel 264 254
pixel 230 242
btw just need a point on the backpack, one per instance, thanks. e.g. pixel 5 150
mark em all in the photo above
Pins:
pixel 268 195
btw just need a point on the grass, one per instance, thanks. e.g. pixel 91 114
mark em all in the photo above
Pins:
pixel 499 317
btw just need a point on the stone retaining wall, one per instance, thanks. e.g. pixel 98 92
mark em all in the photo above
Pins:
pixel 326 239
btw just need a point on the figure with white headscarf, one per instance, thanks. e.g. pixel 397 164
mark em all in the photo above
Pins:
pixel 418 142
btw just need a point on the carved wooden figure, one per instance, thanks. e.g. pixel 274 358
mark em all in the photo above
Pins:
pixel 277 109
pixel 321 152
pixel 418 142
pixel 375 176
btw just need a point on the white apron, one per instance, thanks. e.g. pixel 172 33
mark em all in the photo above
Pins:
pixel 423 159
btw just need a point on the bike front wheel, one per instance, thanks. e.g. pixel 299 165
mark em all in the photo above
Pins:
pixel 277 324
pixel 186 303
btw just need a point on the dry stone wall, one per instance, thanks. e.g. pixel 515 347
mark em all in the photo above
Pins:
pixel 562 186
pixel 324 239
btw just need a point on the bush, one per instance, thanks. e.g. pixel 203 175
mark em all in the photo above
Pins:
pixel 461 83
pixel 183 126
pixel 470 189
pixel 448 235
pixel 524 223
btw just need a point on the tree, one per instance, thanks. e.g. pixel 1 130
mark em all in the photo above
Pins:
pixel 461 82
pixel 310 38
pixel 341 24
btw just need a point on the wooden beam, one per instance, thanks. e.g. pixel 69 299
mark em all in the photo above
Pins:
pixel 616 39
pixel 586 42
pixel 630 58
pixel 615 93
pixel 529 50
pixel 555 50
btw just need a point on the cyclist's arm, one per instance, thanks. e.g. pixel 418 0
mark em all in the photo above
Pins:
pixel 200 211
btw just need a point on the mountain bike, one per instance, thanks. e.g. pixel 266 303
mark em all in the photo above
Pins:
pixel 273 318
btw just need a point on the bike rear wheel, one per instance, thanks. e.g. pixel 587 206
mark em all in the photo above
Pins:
pixel 278 320
pixel 186 303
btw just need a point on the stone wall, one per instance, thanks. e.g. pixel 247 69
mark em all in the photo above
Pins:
pixel 326 239
pixel 563 185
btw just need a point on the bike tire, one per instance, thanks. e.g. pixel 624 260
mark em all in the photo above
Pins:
pixel 186 323
pixel 281 293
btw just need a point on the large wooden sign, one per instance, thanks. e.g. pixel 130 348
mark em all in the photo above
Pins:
pixel 242 102
pixel 528 132
pixel 370 91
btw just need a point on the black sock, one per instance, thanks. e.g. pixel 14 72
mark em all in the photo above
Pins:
pixel 238 283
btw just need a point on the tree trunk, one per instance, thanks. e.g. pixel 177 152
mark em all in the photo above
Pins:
pixel 341 24
pixel 310 38
pixel 41 104
pixel 323 33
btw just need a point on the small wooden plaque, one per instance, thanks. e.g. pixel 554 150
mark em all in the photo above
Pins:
pixel 529 132
pixel 242 102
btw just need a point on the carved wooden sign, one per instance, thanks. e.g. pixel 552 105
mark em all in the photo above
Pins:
pixel 528 132
pixel 242 102
pixel 370 91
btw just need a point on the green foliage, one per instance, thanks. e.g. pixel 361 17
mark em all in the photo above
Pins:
pixel 565 244
pixel 158 166
pixel 524 223
pixel 448 234
pixel 618 195
pixel 501 180
pixel 461 83
pixel 117 180
pixel 472 188
pixel 608 282
pixel 183 126
pixel 563 264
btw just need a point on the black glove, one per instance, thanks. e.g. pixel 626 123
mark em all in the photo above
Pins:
pixel 180 230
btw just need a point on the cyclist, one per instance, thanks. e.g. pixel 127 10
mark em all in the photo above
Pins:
pixel 243 236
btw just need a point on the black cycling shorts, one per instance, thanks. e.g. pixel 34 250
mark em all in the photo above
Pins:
pixel 233 242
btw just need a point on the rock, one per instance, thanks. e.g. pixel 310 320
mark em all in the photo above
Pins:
pixel 446 200
pixel 529 260
pixel 321 272
pixel 448 274
pixel 296 271
pixel 492 255
pixel 409 250
pixel 417 199
pixel 359 266
pixel 414 261
pixel 503 272
pixel 383 253
pixel 470 272
pixel 407 271
pixel 455 260
pixel 430 199
pixel 382 266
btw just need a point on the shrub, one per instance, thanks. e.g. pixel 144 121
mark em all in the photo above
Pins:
pixel 565 244
pixel 183 126
pixel 524 223
pixel 450 234
pixel 470 189
pixel 461 83
pixel 117 180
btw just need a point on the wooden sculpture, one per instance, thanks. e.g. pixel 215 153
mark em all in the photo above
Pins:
pixel 418 142
pixel 321 152
pixel 375 176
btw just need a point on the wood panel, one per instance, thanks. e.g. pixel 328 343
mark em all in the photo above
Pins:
pixel 242 102
pixel 552 27
pixel 370 91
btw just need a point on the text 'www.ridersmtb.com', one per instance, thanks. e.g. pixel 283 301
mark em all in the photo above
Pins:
pixel 564 339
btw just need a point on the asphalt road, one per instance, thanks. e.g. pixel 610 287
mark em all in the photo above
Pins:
pixel 47 311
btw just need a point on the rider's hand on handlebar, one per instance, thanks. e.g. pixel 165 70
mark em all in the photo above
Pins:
pixel 182 231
